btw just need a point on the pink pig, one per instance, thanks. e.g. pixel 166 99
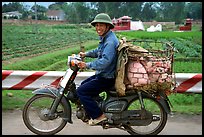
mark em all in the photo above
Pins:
pixel 139 71
pixel 154 77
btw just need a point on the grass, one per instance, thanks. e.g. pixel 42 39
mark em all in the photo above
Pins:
pixel 187 67
pixel 17 100
pixel 182 103
pixel 56 59
pixel 48 61
pixel 161 35
pixel 186 103
pixel 21 40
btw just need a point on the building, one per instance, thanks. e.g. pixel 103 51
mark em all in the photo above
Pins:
pixel 187 26
pixel 125 23
pixel 122 23
pixel 58 15
pixel 12 15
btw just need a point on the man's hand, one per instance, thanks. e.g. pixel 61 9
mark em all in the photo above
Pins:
pixel 82 65
pixel 82 54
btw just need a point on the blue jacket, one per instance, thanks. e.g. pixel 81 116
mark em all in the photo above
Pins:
pixel 106 54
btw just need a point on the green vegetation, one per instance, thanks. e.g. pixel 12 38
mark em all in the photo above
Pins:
pixel 17 100
pixel 84 12
pixel 56 60
pixel 187 67
pixel 161 35
pixel 182 103
pixel 47 50
pixel 186 103
pixel 187 44
pixel 27 40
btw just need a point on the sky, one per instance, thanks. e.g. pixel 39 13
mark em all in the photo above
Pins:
pixel 30 4
pixel 45 4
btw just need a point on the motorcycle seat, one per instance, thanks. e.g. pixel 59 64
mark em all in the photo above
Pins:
pixel 112 91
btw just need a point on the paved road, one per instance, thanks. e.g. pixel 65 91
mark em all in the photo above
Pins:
pixel 12 124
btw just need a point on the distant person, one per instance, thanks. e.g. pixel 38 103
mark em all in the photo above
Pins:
pixel 104 65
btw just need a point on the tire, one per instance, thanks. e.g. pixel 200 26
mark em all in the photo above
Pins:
pixel 157 110
pixel 34 119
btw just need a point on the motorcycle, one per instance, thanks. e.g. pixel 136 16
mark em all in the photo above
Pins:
pixel 138 113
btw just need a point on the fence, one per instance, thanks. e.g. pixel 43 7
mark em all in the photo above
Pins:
pixel 30 80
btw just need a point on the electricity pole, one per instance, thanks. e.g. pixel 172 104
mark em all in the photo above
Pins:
pixel 36 29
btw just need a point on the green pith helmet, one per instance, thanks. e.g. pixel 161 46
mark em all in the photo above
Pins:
pixel 102 18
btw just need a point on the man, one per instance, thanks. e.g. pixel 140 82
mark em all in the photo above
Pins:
pixel 104 65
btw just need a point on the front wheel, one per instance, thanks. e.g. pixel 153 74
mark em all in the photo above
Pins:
pixel 159 117
pixel 36 115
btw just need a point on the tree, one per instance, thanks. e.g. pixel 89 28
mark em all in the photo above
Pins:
pixel 113 9
pixel 41 10
pixel 148 12
pixel 194 10
pixel 132 9
pixel 81 11
pixel 13 6
pixel 56 6
pixel 171 11
pixel 16 6
pixel 78 12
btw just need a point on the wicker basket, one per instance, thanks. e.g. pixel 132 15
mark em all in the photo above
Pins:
pixel 150 66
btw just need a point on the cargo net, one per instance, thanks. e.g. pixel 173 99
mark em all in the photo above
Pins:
pixel 150 66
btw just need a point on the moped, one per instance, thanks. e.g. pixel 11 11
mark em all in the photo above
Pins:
pixel 51 107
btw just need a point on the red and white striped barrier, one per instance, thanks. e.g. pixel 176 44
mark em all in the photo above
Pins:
pixel 29 80
pixel 188 82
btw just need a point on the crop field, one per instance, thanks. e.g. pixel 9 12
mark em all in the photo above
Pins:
pixel 187 44
pixel 46 46
pixel 27 40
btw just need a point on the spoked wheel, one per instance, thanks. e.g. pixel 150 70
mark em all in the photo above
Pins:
pixel 37 118
pixel 159 118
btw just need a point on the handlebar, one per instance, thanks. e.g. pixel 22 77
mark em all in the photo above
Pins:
pixel 73 60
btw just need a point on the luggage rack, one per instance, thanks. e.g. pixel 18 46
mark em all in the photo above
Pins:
pixel 157 51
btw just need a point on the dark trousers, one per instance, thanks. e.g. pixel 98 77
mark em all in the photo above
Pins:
pixel 92 87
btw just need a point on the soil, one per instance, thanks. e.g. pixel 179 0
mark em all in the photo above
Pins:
pixel 178 124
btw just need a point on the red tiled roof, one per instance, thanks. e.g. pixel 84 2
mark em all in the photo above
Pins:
pixel 53 12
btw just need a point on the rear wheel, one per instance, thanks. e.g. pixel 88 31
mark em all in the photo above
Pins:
pixel 36 115
pixel 158 121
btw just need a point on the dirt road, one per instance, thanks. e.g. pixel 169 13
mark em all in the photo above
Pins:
pixel 12 124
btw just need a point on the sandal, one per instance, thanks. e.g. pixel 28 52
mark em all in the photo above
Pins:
pixel 96 121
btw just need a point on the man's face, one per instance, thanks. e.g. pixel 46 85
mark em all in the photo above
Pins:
pixel 101 28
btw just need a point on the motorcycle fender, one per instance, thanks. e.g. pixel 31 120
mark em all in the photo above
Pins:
pixel 165 104
pixel 53 91
pixel 48 91
pixel 162 101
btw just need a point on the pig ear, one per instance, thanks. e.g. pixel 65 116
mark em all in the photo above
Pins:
pixel 124 39
pixel 121 41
